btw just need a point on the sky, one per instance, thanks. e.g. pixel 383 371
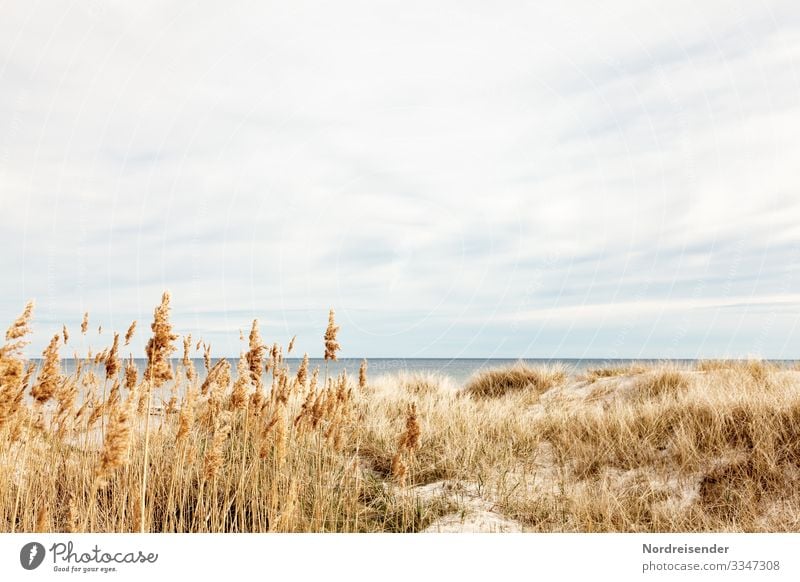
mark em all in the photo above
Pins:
pixel 456 179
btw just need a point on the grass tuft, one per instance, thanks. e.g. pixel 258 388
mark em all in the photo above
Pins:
pixel 497 382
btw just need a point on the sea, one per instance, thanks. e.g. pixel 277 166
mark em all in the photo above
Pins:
pixel 458 369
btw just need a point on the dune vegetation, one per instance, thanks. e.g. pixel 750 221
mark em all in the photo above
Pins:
pixel 261 448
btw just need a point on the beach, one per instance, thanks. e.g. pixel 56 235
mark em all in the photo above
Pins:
pixel 268 444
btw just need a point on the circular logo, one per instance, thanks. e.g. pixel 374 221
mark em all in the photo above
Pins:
pixel 31 555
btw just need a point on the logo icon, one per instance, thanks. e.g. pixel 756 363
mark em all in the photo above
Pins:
pixel 31 555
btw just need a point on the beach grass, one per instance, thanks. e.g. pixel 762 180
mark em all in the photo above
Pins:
pixel 656 448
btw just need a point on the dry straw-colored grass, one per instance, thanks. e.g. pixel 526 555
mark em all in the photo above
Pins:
pixel 497 382
pixel 594 374
pixel 715 448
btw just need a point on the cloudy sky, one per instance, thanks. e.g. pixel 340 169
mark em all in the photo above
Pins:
pixel 458 179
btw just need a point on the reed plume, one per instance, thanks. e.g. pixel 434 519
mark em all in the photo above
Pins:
pixel 302 371
pixel 215 386
pixel 130 332
pixel 65 333
pixel 85 323
pixel 255 356
pixel 291 345
pixel 26 377
pixel 399 468
pixel 114 395
pixel 49 377
pixel 12 394
pixel 131 374
pixel 215 453
pixel 12 366
pixel 98 408
pixel 112 359
pixel 305 409
pixel 186 415
pixel 239 392
pixel 362 375
pixel 21 326
pixel 275 357
pixel 331 345
pixel 101 356
pixel 158 371
pixel 216 375
pixel 187 347
pixel 406 446
pixel 66 395
pixel 117 439
pixel 188 364
pixel 160 345
pixel 207 357
pixel 409 440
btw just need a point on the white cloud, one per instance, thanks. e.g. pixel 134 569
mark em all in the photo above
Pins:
pixel 433 171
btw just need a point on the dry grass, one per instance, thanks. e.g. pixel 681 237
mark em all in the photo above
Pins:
pixel 497 382
pixel 594 374
pixel 662 382
pixel 757 369
pixel 176 451
pixel 664 449
pixel 416 383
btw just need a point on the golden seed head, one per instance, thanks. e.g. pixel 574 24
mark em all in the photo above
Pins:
pixel 186 415
pixel 131 374
pixel 331 345
pixel 49 377
pixel 399 469
pixel 206 357
pixel 112 359
pixel 160 345
pixel 21 326
pixel 117 439
pixel 302 370
pixel 409 440
pixel 239 392
pixel 130 332
pixel 255 356
pixel 187 346
pixel 362 374
pixel 215 453
pixel 188 364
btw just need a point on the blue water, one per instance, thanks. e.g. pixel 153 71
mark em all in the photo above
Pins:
pixel 458 369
